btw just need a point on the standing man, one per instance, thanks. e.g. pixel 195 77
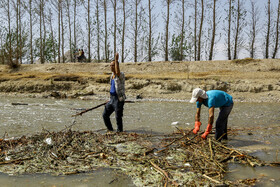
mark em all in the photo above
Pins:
pixel 212 99
pixel 117 97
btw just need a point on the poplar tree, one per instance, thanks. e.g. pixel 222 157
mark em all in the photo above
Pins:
pixel 277 32
pixel 267 42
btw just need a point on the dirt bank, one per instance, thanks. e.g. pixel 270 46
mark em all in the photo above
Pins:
pixel 247 80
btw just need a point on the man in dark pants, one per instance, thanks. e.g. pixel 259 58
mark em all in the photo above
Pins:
pixel 213 99
pixel 117 97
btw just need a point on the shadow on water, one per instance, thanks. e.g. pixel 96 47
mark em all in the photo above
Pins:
pixel 258 134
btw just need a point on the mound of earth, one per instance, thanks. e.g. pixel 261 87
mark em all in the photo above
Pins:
pixel 247 80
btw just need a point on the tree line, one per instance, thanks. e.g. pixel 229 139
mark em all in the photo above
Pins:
pixel 140 30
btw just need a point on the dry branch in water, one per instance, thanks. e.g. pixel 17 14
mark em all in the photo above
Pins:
pixel 186 159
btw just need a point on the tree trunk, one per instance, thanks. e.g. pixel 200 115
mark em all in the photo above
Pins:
pixel 115 26
pixel 45 32
pixel 31 35
pixel 89 31
pixel 9 33
pixel 52 34
pixel 182 31
pixel 277 32
pixel 74 24
pixel 98 31
pixel 70 30
pixel 123 31
pixel 200 31
pixel 237 30
pixel 166 28
pixel 229 30
pixel 17 32
pixel 62 35
pixel 41 36
pixel 136 31
pixel 106 35
pixel 150 33
pixel 214 31
pixel 268 30
pixel 20 34
pixel 58 18
pixel 254 15
pixel 195 30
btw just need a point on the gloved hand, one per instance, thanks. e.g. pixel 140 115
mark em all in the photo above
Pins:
pixel 197 125
pixel 208 130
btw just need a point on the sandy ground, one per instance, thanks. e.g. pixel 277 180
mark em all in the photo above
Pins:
pixel 246 80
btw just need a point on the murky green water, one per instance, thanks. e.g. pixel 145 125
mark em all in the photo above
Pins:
pixel 261 138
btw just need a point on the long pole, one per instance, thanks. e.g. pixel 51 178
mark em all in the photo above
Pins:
pixel 87 110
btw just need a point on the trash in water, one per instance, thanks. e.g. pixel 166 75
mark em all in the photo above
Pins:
pixel 48 141
pixel 175 123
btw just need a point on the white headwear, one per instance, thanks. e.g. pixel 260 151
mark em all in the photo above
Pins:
pixel 197 92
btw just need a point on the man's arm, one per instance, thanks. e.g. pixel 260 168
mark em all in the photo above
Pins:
pixel 211 115
pixel 197 115
pixel 117 67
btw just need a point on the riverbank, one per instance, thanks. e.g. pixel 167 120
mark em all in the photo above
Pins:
pixel 247 80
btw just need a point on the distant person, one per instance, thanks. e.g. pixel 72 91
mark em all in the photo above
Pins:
pixel 77 53
pixel 81 55
pixel 117 97
pixel 213 99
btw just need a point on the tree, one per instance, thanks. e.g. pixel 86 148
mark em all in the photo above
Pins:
pixel 229 29
pixel 277 32
pixel 152 42
pixel 74 23
pixel 182 31
pixel 68 6
pixel 254 28
pixel 52 38
pixel 200 31
pixel 58 27
pixel 30 12
pixel 124 27
pixel 135 26
pixel 167 19
pixel 105 9
pixel 195 30
pixel 98 29
pixel 239 26
pixel 213 31
pixel 50 45
pixel 89 23
pixel 6 6
pixel 267 43
pixel 114 4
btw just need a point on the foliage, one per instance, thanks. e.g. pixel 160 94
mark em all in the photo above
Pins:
pixel 11 50
pixel 51 46
pixel 175 50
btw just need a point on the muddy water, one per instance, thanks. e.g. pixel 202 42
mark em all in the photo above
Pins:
pixel 261 137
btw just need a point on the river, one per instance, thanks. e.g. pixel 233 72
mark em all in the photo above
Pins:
pixel 259 134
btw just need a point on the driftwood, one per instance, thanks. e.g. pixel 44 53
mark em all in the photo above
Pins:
pixel 182 159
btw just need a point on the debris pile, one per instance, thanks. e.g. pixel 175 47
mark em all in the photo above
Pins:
pixel 176 159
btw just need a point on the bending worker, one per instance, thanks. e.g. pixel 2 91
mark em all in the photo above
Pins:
pixel 212 99
pixel 117 97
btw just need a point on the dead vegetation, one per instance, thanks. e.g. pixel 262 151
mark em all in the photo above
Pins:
pixel 177 159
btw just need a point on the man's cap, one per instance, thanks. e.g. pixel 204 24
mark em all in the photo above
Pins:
pixel 197 92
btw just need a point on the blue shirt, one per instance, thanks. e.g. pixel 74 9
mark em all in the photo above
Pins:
pixel 113 88
pixel 217 99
